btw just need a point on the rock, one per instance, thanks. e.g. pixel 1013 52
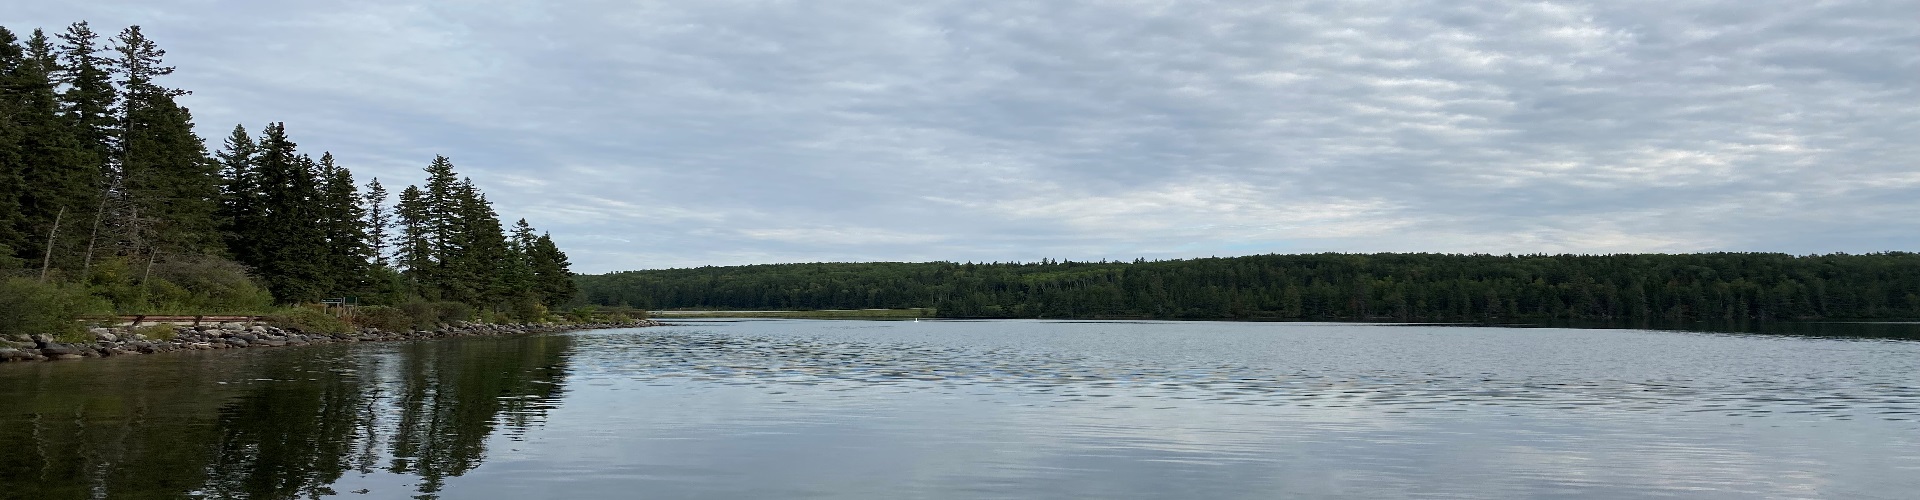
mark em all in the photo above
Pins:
pixel 237 342
pixel 41 341
pixel 53 349
pixel 139 337
pixel 65 356
pixel 105 336
pixel 9 354
pixel 256 329
pixel 272 343
pixel 247 337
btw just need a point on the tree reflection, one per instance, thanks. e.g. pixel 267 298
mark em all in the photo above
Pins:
pixel 273 424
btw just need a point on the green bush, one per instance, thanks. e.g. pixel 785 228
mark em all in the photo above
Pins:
pixel 308 320
pixel 30 307
pixel 205 284
pixel 583 314
pixel 429 315
pixel 157 332
pixel 382 317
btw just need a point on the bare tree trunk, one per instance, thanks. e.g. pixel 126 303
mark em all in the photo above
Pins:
pixel 46 262
pixel 86 268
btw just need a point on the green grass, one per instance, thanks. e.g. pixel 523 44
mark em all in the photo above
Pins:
pixel 814 314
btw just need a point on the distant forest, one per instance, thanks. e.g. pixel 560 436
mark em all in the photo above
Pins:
pixel 1438 287
pixel 110 202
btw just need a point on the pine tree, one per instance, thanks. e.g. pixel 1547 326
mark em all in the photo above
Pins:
pixel 517 272
pixel 12 164
pixel 416 248
pixel 340 217
pixel 165 174
pixel 87 103
pixel 240 196
pixel 552 277
pixel 292 244
pixel 51 161
pixel 480 247
pixel 378 222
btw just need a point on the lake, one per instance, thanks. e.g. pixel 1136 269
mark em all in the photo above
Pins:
pixel 985 409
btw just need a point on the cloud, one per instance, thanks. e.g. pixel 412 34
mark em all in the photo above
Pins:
pixel 654 134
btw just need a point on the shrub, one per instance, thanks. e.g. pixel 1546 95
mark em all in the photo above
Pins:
pixel 583 314
pixel 207 283
pixel 429 315
pixel 382 317
pixel 157 332
pixel 30 307
pixel 308 320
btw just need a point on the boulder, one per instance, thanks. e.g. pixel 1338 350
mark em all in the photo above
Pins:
pixel 105 336
pixel 56 349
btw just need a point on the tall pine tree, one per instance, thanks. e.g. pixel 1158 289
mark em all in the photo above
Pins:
pixel 292 246
pixel 49 159
pixel 339 215
pixel 165 175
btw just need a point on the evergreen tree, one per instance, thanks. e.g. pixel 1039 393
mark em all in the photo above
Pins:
pixel 378 222
pixel 551 274
pixel 340 214
pixel 240 196
pixel 166 176
pixel 292 244
pixel 87 103
pixel 416 248
pixel 49 158
pixel 12 181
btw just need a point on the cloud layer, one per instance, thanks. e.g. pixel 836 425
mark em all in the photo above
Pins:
pixel 665 134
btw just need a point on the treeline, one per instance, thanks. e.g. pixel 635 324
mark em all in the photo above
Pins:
pixel 1737 286
pixel 110 201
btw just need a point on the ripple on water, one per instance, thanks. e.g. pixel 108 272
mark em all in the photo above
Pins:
pixel 844 364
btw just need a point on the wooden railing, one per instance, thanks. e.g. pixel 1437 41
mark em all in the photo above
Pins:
pixel 139 319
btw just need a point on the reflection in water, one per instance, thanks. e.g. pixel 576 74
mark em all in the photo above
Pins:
pixel 1001 409
pixel 274 424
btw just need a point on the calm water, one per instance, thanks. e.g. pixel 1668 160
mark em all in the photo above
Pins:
pixel 1000 409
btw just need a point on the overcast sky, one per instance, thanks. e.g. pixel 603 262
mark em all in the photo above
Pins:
pixel 686 133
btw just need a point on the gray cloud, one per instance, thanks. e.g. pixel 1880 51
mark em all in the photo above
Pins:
pixel 656 134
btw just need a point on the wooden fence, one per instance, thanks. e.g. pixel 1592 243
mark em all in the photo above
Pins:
pixel 154 319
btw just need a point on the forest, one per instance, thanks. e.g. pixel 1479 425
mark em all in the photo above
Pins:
pixel 1416 287
pixel 110 203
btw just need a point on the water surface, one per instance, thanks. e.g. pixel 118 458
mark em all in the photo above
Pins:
pixel 984 409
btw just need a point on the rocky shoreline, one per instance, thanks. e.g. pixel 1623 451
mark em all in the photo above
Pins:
pixel 110 342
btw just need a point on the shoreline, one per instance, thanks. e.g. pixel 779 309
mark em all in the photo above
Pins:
pixel 122 341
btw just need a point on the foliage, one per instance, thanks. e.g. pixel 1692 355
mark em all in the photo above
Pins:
pixel 157 332
pixel 430 315
pixel 307 319
pixel 382 317
pixel 1318 286
pixel 30 307
pixel 101 172
pixel 583 314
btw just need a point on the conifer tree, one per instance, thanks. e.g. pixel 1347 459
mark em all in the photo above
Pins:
pixel 166 176
pixel 239 196
pixel 551 274
pixel 87 103
pixel 292 244
pixel 416 248
pixel 12 182
pixel 378 223
pixel 49 159
pixel 339 215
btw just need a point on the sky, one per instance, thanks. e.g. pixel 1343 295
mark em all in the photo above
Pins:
pixel 648 134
